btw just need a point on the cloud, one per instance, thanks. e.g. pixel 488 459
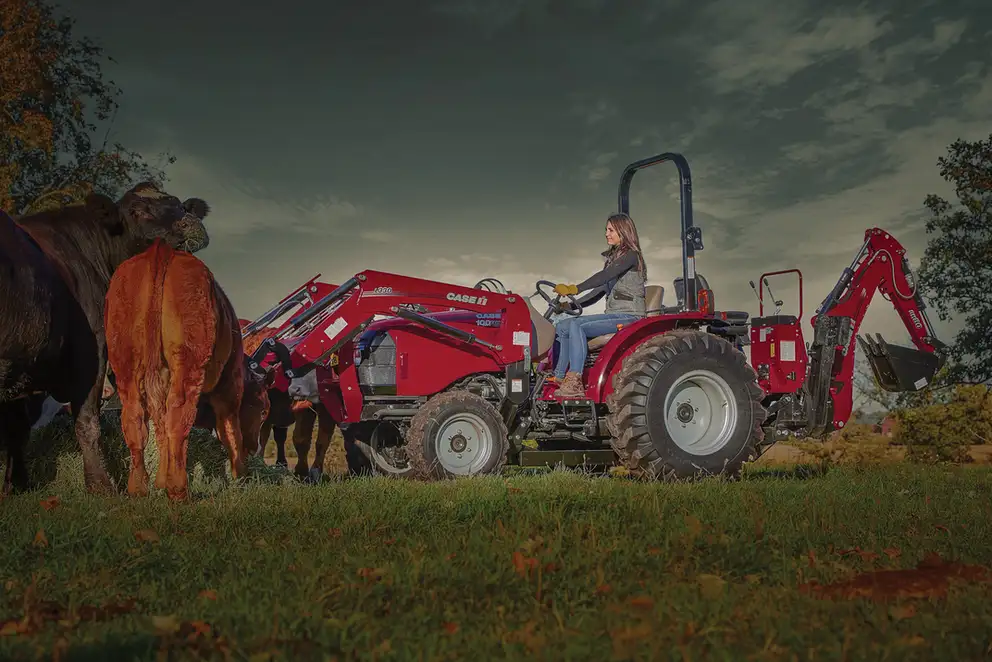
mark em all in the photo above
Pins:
pixel 379 236
pixel 241 207
pixel 766 44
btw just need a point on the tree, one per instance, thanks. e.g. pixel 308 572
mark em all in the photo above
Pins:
pixel 956 268
pixel 52 97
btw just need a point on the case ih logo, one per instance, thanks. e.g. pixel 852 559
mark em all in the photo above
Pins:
pixel 466 298
pixel 916 320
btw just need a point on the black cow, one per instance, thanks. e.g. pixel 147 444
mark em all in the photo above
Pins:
pixel 55 268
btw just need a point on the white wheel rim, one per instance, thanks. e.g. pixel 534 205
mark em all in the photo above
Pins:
pixel 464 444
pixel 700 412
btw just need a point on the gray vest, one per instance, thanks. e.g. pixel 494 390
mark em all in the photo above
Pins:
pixel 627 294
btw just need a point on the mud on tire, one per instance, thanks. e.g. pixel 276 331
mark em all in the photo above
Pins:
pixel 685 363
pixel 456 433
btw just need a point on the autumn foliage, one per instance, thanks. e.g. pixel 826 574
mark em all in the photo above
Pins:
pixel 54 106
pixel 944 431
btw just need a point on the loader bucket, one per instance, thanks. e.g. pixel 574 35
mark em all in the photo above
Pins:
pixel 897 368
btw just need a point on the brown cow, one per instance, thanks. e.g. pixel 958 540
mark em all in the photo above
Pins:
pixel 172 339
pixel 284 412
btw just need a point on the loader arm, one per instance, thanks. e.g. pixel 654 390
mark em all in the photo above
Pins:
pixel 880 265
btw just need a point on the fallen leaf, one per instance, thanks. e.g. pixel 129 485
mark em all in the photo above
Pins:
pixel 50 503
pixel 642 602
pixel 10 628
pixel 811 555
pixel 371 573
pixel 531 545
pixel 603 589
pixel 930 578
pixel 654 551
pixel 892 552
pixel 165 624
pixel 526 636
pixel 711 586
pixel 523 564
pixel 261 543
pixel 449 627
pixel 208 594
pixel 334 533
pixel 941 527
pixel 865 556
pixel 625 639
pixel 900 612
pixel 146 535
pixel 40 539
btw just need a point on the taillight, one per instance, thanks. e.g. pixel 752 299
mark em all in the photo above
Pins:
pixel 704 301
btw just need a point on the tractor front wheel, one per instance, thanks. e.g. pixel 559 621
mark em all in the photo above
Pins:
pixel 685 404
pixel 375 448
pixel 456 433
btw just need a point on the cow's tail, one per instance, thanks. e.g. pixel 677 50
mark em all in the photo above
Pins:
pixel 157 369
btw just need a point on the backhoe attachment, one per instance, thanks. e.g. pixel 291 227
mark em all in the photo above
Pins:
pixel 898 368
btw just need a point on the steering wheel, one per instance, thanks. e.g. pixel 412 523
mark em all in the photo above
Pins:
pixel 491 285
pixel 576 309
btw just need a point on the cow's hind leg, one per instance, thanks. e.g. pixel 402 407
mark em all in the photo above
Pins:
pixel 180 412
pixel 325 431
pixel 302 436
pixel 226 401
pixel 134 424
pixel 15 431
pixel 279 434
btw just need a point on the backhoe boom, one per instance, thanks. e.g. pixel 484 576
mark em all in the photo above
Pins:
pixel 880 265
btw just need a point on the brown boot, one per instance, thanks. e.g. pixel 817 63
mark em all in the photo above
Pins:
pixel 571 386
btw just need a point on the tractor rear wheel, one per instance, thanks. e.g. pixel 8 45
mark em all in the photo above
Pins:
pixel 456 433
pixel 685 404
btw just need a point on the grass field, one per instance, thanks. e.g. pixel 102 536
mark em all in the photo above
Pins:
pixel 558 566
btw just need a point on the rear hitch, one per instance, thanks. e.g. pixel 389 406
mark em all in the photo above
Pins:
pixel 897 368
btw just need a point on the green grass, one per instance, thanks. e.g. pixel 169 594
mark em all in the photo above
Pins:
pixel 392 570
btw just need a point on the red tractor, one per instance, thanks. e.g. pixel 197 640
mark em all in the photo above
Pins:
pixel 431 379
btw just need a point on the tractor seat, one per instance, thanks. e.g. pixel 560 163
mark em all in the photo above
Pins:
pixel 543 333
pixel 654 295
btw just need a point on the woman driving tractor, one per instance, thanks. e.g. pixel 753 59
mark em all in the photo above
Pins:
pixel 622 282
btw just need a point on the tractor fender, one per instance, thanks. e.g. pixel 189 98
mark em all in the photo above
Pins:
pixel 610 359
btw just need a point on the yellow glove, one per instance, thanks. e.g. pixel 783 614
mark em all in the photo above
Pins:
pixel 564 290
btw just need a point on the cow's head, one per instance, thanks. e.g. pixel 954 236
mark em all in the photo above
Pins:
pixel 255 407
pixel 150 213
pixel 305 388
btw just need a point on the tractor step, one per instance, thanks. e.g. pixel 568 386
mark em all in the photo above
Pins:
pixel 569 458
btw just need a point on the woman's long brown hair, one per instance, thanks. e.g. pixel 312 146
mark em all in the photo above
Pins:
pixel 629 241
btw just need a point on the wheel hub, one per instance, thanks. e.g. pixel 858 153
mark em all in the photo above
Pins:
pixel 684 412
pixel 700 412
pixel 458 443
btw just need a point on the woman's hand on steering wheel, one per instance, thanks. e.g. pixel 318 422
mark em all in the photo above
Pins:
pixel 574 308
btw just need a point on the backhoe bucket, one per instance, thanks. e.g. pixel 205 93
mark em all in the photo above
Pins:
pixel 899 368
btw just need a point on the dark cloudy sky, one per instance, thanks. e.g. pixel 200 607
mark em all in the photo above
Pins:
pixel 458 139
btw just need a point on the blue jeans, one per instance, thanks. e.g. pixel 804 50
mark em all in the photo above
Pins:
pixel 574 332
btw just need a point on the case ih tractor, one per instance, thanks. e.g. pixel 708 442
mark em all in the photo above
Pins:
pixel 435 380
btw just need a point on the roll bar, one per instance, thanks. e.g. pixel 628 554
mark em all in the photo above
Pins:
pixel 692 237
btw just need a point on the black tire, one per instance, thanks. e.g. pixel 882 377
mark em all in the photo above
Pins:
pixel 361 455
pixel 637 418
pixel 424 444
